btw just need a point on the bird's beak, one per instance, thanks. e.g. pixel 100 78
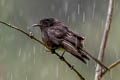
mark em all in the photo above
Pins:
pixel 36 25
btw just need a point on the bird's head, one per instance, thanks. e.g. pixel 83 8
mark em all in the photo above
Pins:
pixel 46 22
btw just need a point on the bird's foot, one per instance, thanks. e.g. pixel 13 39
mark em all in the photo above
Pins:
pixel 72 66
pixel 53 51
pixel 62 56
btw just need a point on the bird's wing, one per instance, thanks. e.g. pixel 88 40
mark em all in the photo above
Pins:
pixel 75 39
pixel 78 36
pixel 71 49
pixel 56 34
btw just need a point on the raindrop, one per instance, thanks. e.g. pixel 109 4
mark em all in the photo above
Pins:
pixel 66 69
pixel 102 23
pixel 97 35
pixel 34 60
pixel 95 65
pixel 2 2
pixel 78 11
pixel 87 64
pixel 1 77
pixel 34 50
pixel 11 76
pixel 26 78
pixel 8 75
pixel 111 74
pixel 73 16
pixel 117 5
pixel 93 14
pixel 68 19
pixel 44 72
pixel 20 13
pixel 59 13
pixel 66 7
pixel 24 58
pixel 83 17
pixel 19 52
pixel 29 54
pixel 116 53
pixel 57 71
pixel 53 7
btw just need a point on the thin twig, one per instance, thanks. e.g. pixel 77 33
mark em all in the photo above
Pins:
pixel 104 39
pixel 49 48
pixel 31 36
pixel 70 66
pixel 110 67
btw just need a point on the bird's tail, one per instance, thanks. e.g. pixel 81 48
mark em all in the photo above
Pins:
pixel 71 49
pixel 80 54
pixel 96 60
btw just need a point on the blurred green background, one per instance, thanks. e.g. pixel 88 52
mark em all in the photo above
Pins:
pixel 24 59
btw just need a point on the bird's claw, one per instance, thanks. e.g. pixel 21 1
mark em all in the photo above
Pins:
pixel 61 57
pixel 72 66
pixel 53 51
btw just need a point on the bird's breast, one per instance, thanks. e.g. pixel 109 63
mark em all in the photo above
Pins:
pixel 46 40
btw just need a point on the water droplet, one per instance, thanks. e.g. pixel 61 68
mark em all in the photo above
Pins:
pixel 53 7
pixel 102 23
pixel 87 64
pixel 19 52
pixel 73 16
pixel 57 71
pixel 20 13
pixel 26 78
pixel 83 17
pixel 34 50
pixel 2 2
pixel 111 74
pixel 11 76
pixel 78 9
pixel 93 13
pixel 34 60
pixel 66 7
pixel 116 52
pixel 68 19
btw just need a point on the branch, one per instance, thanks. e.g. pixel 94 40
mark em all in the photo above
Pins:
pixel 49 48
pixel 31 36
pixel 104 39
pixel 70 66
pixel 110 67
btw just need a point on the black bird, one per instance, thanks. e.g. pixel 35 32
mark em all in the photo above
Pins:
pixel 57 35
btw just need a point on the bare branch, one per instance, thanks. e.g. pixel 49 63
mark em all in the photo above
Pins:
pixel 70 66
pixel 110 67
pixel 104 39
pixel 32 37
pixel 49 48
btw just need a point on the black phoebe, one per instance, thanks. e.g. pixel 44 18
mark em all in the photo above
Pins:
pixel 57 35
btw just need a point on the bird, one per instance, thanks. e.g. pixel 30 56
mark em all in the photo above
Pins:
pixel 56 35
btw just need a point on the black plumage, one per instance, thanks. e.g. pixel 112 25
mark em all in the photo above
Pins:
pixel 57 35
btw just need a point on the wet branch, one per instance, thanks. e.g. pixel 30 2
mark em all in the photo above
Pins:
pixel 49 48
pixel 70 66
pixel 110 67
pixel 104 39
